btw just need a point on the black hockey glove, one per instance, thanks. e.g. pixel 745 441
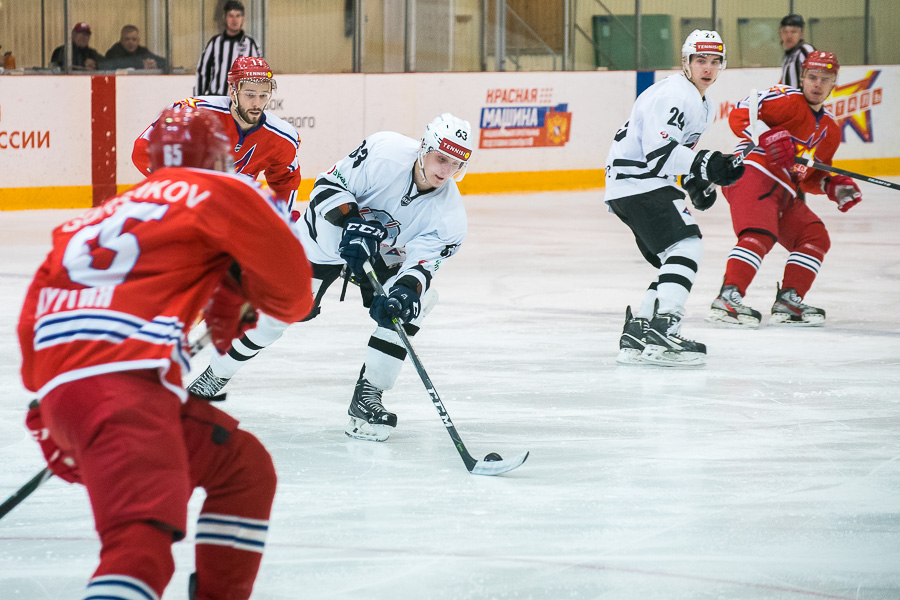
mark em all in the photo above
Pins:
pixel 720 169
pixel 696 189
pixel 403 304
pixel 360 242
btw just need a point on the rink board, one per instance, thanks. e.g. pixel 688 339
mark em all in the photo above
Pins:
pixel 535 131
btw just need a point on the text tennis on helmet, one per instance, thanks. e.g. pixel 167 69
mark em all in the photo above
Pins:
pixel 250 69
pixel 701 41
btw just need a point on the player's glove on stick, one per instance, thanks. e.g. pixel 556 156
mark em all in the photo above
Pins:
pixel 843 190
pixel 715 167
pixel 697 190
pixel 360 242
pixel 403 303
pixel 228 314
pixel 779 148
pixel 62 465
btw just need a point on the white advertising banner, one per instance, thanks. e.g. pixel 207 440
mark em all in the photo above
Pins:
pixel 522 121
pixel 139 100
pixel 327 112
pixel 45 131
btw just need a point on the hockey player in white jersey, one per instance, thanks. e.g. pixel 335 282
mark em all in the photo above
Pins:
pixel 393 199
pixel 650 151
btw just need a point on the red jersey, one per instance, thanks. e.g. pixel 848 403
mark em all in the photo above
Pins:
pixel 270 147
pixel 815 134
pixel 124 279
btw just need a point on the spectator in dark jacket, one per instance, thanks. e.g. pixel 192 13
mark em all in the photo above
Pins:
pixel 128 53
pixel 84 58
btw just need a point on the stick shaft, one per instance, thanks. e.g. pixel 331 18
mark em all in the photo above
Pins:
pixel 24 491
pixel 420 369
pixel 822 167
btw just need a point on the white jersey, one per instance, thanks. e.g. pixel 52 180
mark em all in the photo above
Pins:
pixel 423 228
pixel 656 143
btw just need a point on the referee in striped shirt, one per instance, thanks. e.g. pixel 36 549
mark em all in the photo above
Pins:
pixel 221 50
pixel 795 49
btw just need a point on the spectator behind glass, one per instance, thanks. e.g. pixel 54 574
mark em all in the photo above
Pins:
pixel 222 50
pixel 84 58
pixel 128 53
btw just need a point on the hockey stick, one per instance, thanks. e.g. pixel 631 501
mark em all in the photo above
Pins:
pixel 45 473
pixel 476 467
pixel 25 491
pixel 754 139
pixel 817 165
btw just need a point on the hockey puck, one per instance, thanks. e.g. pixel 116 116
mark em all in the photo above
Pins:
pixel 493 457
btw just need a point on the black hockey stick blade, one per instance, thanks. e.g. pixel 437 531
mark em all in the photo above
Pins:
pixel 498 467
pixel 25 491
pixel 822 167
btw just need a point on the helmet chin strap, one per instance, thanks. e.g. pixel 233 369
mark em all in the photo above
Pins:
pixel 420 160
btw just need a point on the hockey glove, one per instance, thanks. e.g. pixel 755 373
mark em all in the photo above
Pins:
pixel 62 465
pixel 403 303
pixel 779 148
pixel 720 169
pixel 360 242
pixel 843 190
pixel 228 314
pixel 696 189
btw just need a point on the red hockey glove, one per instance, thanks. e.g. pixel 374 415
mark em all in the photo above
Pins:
pixel 228 314
pixel 843 190
pixel 779 148
pixel 62 465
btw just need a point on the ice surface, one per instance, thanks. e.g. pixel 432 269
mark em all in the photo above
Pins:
pixel 773 473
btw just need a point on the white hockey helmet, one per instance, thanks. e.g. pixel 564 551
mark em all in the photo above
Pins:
pixel 452 137
pixel 701 41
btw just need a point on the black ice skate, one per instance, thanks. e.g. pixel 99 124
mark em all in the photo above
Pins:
pixel 790 310
pixel 666 346
pixel 207 385
pixel 368 418
pixel 631 343
pixel 729 309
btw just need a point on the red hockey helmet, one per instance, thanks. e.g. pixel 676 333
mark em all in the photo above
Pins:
pixel 818 60
pixel 252 69
pixel 185 136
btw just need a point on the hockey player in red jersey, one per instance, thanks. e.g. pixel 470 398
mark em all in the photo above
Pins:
pixel 104 347
pixel 768 204
pixel 260 141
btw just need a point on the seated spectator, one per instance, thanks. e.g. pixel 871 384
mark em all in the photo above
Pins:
pixel 84 58
pixel 128 53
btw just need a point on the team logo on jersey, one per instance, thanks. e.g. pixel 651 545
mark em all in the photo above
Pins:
pixel 525 126
pixel 807 149
pixel 390 223
pixel 851 104
pixel 243 161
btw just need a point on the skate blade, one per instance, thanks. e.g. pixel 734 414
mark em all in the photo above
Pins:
pixel 721 317
pixel 784 319
pixel 660 356
pixel 362 430
pixel 629 356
